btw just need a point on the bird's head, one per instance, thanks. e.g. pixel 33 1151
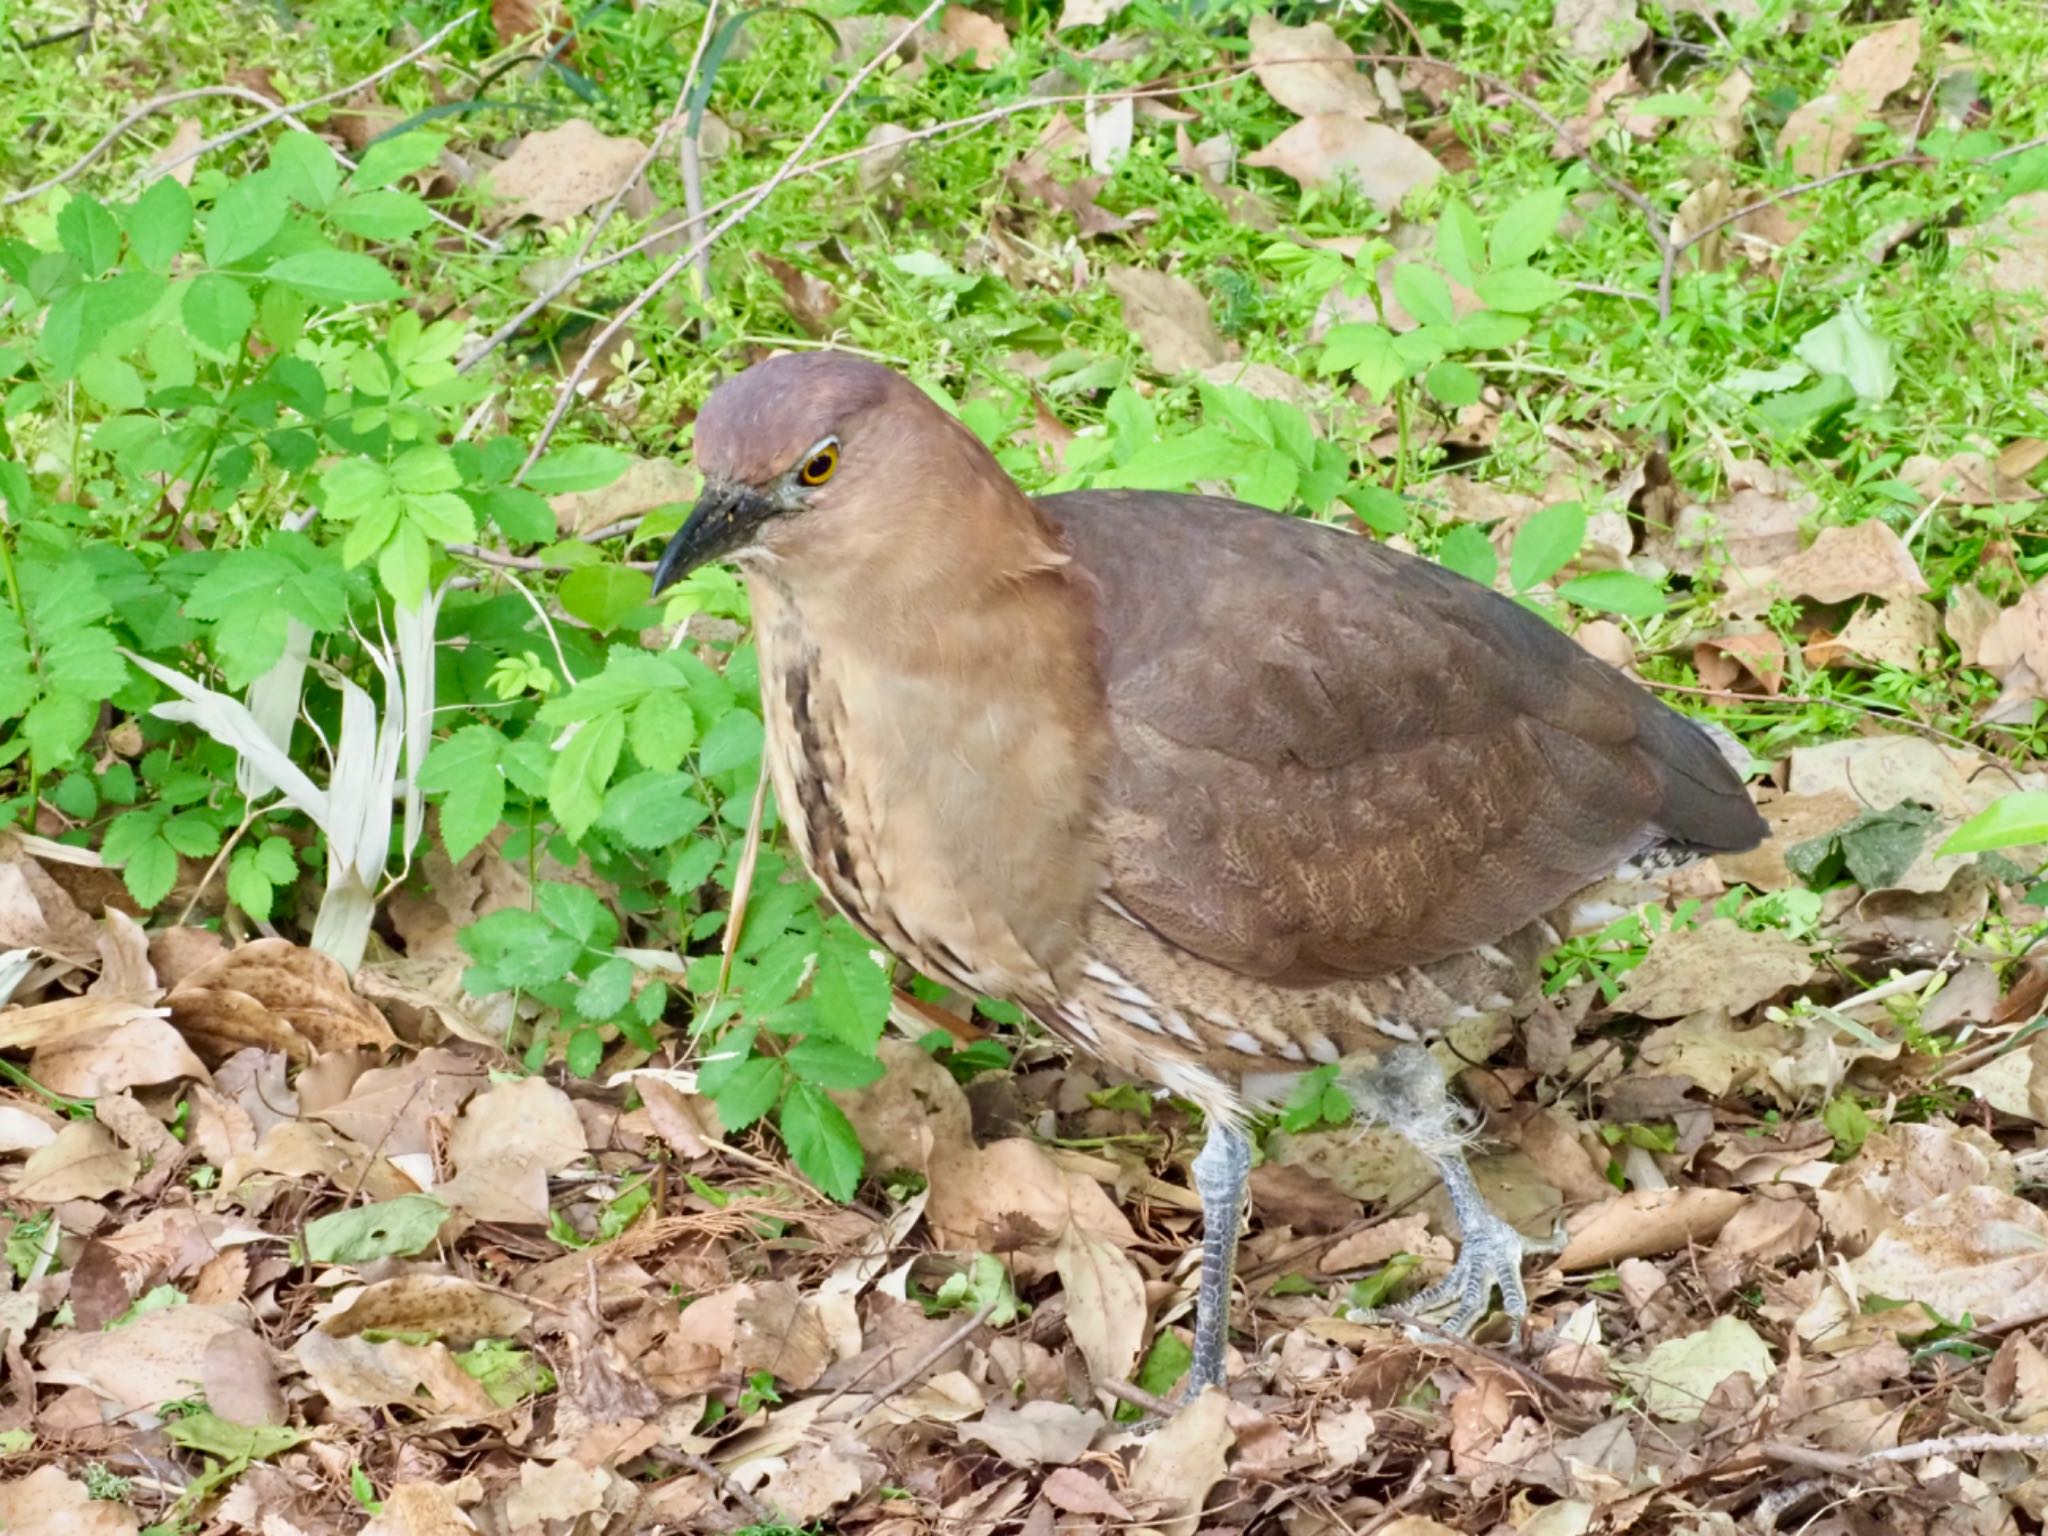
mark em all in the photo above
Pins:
pixel 827 461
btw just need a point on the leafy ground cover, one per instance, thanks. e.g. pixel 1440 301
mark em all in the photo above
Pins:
pixel 435 1101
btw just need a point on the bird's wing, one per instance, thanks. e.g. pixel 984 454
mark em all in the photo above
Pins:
pixel 1334 759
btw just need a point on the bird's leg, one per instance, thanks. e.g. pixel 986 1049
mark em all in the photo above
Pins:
pixel 1223 1169
pixel 1406 1092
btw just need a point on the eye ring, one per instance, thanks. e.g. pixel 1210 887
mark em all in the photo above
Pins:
pixel 820 466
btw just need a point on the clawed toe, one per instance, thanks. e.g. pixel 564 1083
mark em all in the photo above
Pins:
pixel 1489 1259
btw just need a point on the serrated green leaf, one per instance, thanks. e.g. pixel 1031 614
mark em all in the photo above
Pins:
pixel 278 861
pixel 750 1090
pixel 306 170
pixel 585 1051
pixel 851 993
pixel 579 467
pixel 245 218
pixel 821 1140
pixel 57 725
pixel 1545 543
pixel 1467 550
pixel 90 233
pixel 192 834
pixel 732 742
pixel 521 516
pixel 1519 290
pixel 249 887
pixel 1367 352
pixel 150 872
pixel 652 809
pixel 1424 294
pixel 335 277
pixel 159 223
pixel 1453 383
pixel 1525 227
pixel 1460 246
pixel 218 312
pixel 388 159
pixel 829 1064
pixel 606 990
pixel 382 215
pixel 582 770
pixel 604 596
pixel 662 731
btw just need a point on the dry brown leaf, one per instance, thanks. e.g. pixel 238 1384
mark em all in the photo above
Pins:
pixel 1074 1491
pixel 88 1046
pixel 981 40
pixel 1334 148
pixel 1037 1434
pixel 2013 648
pixel 509 1139
pixel 1974 1250
pixel 1088 13
pixel 297 1149
pixel 1308 71
pixel 1715 965
pixel 420 1509
pixel 1970 478
pixel 1182 1461
pixel 152 1360
pixel 759 1326
pixel 1105 1298
pixel 1644 1223
pixel 1593 30
pixel 355 1373
pixel 83 1162
pixel 450 1308
pixel 1170 317
pixel 810 300
pixel 238 1375
pixel 1727 660
pixel 1866 559
pixel 558 173
pixel 1820 134
pixel 1894 634
pixel 306 989
pixel 47 1502
pixel 1771 1225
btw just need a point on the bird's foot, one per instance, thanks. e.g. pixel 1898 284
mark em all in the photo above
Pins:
pixel 1489 1257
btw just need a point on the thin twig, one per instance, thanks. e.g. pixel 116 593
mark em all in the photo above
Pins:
pixel 939 1349
pixel 750 1506
pixel 565 395
pixel 1917 1450
pixel 1138 1397
pixel 148 109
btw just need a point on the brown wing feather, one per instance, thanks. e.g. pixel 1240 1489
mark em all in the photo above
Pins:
pixel 1337 760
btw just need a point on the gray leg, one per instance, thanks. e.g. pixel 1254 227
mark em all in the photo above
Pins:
pixel 1223 1169
pixel 1406 1092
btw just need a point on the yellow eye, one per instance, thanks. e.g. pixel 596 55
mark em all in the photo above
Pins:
pixel 819 469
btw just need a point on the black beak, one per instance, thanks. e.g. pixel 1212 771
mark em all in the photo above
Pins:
pixel 723 520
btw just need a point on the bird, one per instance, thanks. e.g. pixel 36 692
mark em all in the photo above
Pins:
pixel 1215 794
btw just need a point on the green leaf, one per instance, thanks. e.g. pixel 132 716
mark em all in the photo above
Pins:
pixel 662 731
pixel 607 989
pixel 1466 550
pixel 150 872
pixel 113 382
pixel 521 516
pixel 582 769
pixel 1367 352
pixel 830 1064
pixel 653 809
pixel 1846 346
pixel 90 233
pixel 603 596
pixel 1545 543
pixel 580 467
pixel 821 1140
pixel 1615 592
pixel 1525 227
pixel 1484 330
pixel 306 170
pixel 235 1445
pixel 850 993
pixel 385 1229
pixel 750 1090
pixel 248 886
pixel 388 159
pixel 1381 510
pixel 467 769
pixel 383 216
pixel 2011 821
pixel 218 312
pixel 1424 294
pixel 1453 383
pixel 403 564
pixel 1459 245
pixel 159 223
pixel 585 1052
pixel 336 277
pixel 732 742
pixel 245 218
pixel 1519 290
pixel 193 835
